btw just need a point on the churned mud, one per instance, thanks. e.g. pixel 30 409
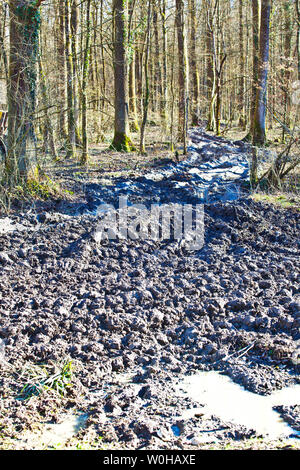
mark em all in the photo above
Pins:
pixel 119 329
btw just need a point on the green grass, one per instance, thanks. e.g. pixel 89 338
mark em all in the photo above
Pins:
pixel 41 380
pixel 285 201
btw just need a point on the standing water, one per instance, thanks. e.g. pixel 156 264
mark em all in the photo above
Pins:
pixel 230 402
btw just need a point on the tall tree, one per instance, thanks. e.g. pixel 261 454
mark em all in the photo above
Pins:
pixel 75 73
pixel 134 125
pixel 182 73
pixel 242 121
pixel 61 69
pixel 194 74
pixel 259 126
pixel 85 74
pixel 255 62
pixel 164 100
pixel 147 87
pixel 71 139
pixel 157 61
pixel 21 163
pixel 218 56
pixel 121 140
pixel 287 71
pixel 297 4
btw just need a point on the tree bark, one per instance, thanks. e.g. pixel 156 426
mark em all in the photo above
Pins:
pixel 157 63
pixel 164 99
pixel 255 64
pixel 259 126
pixel 147 88
pixel 61 66
pixel 193 65
pixel 121 140
pixel 297 4
pixel 85 74
pixel 21 162
pixel 71 140
pixel 49 131
pixel 182 71
pixel 242 121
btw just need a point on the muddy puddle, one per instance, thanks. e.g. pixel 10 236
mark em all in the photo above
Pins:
pixel 55 435
pixel 218 395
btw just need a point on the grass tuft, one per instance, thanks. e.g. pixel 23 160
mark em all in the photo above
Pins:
pixel 42 379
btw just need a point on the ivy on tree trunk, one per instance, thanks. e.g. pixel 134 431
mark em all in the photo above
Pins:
pixel 25 21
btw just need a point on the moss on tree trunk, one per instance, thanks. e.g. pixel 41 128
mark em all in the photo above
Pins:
pixel 121 140
pixel 122 143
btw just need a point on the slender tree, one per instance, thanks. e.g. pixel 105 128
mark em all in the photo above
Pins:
pixel 182 72
pixel 242 121
pixel 259 126
pixel 61 69
pixel 255 62
pixel 297 5
pixel 287 71
pixel 147 86
pixel 164 99
pixel 194 74
pixel 71 138
pixel 85 74
pixel 49 131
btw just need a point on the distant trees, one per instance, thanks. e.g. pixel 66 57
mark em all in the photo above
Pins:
pixel 106 71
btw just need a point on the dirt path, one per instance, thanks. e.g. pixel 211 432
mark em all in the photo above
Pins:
pixel 135 318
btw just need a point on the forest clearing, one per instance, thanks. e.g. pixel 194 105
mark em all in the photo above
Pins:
pixel 149 225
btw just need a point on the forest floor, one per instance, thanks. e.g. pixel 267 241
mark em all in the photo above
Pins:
pixel 105 344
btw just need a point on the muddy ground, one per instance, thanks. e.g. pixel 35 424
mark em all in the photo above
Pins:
pixel 134 317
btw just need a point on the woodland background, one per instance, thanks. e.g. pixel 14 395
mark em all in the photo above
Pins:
pixel 100 71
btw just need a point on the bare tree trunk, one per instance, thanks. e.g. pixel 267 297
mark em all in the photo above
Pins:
pixel 210 67
pixel 132 96
pixel 147 87
pixel 288 64
pixel 48 124
pixel 75 72
pixel 61 68
pixel 71 141
pixel 85 74
pixel 121 140
pixel 164 100
pixel 242 121
pixel 219 57
pixel 193 65
pixel 4 57
pixel 182 71
pixel 255 63
pixel 259 127
pixel 157 64
pixel 298 35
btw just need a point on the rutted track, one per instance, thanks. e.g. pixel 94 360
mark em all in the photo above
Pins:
pixel 213 171
pixel 153 311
